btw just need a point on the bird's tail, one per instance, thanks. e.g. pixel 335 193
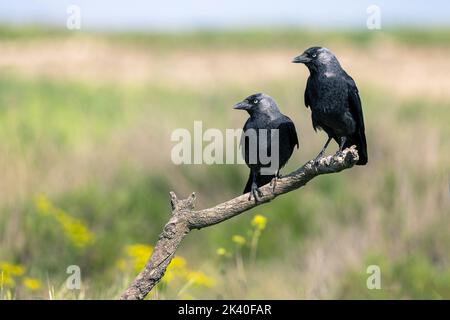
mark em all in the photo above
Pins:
pixel 358 139
pixel 260 181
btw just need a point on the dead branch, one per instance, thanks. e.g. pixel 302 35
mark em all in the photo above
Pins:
pixel 184 218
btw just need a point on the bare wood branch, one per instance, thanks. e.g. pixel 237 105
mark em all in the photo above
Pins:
pixel 184 218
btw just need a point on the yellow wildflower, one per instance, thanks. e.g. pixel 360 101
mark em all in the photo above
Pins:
pixel 139 254
pixel 177 263
pixel 200 279
pixel 138 250
pixel 221 252
pixel 168 276
pixel 43 205
pixel 74 229
pixel 6 280
pixel 259 222
pixel 15 270
pixel 177 267
pixel 239 240
pixel 31 283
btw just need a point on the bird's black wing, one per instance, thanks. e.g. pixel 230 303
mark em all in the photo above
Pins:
pixel 354 102
pixel 308 103
pixel 288 140
pixel 287 129
pixel 307 90
pixel 244 143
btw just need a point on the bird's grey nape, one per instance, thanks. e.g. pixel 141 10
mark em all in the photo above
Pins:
pixel 269 106
pixel 326 56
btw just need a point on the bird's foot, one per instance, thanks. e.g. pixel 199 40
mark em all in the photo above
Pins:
pixel 274 181
pixel 317 159
pixel 339 153
pixel 255 192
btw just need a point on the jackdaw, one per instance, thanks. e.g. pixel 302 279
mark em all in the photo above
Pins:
pixel 264 114
pixel 333 98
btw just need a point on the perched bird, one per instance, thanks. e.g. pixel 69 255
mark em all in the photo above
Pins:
pixel 333 98
pixel 264 114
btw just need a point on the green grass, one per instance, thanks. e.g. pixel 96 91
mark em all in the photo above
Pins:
pixel 37 112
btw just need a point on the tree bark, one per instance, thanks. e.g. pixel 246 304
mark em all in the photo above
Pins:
pixel 184 218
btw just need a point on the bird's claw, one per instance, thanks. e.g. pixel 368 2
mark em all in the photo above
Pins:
pixel 255 192
pixel 338 153
pixel 317 159
pixel 273 183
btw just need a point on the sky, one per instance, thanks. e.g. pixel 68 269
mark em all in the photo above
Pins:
pixel 112 15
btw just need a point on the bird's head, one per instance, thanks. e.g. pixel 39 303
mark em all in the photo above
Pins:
pixel 317 58
pixel 258 103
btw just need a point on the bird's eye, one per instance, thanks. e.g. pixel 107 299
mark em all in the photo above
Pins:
pixel 255 101
pixel 314 55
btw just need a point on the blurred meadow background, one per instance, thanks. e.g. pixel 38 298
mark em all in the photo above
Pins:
pixel 85 123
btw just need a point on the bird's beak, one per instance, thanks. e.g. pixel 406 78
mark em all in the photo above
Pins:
pixel 242 106
pixel 301 59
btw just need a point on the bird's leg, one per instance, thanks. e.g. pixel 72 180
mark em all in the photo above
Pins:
pixel 320 155
pixel 254 191
pixel 341 145
pixel 273 182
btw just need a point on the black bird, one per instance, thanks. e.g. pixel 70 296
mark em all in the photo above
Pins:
pixel 264 114
pixel 333 98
